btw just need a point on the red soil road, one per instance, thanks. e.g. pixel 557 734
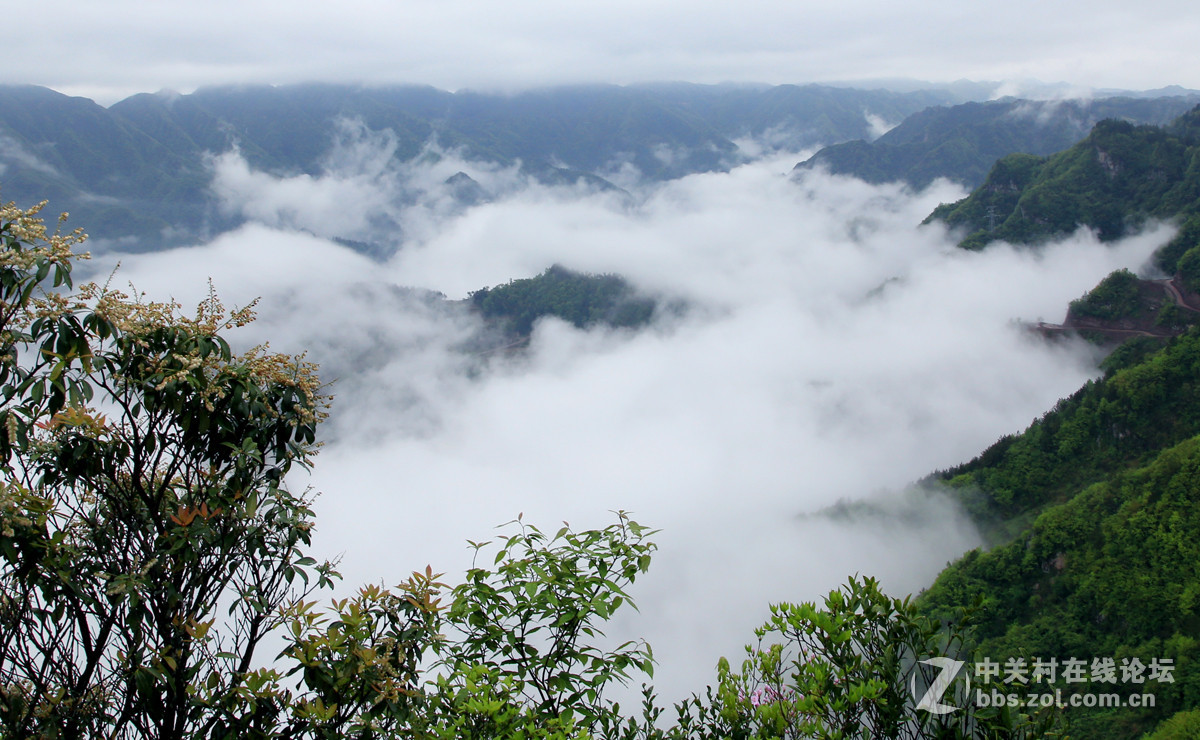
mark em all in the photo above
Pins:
pixel 1176 295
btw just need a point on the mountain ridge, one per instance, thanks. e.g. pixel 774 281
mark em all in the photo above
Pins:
pixel 143 172
pixel 963 142
pixel 1112 181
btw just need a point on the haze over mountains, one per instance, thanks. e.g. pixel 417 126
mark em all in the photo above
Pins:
pixel 144 172
pixel 962 142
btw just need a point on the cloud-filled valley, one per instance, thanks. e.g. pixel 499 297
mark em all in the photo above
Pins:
pixel 832 350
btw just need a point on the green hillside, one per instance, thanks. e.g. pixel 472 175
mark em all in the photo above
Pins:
pixel 578 298
pixel 1095 507
pixel 1091 512
pixel 1113 181
pixel 1113 572
pixel 108 172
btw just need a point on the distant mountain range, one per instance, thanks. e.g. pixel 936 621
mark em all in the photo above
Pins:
pixel 962 142
pixel 139 169
pixel 139 174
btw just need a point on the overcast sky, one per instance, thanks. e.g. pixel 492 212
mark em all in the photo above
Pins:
pixel 111 49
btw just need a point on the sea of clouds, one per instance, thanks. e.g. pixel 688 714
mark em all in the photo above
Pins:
pixel 833 350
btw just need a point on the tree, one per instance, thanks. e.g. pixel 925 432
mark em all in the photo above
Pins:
pixel 531 624
pixel 1182 725
pixel 148 543
pixel 1114 298
pixel 1188 268
pixel 849 670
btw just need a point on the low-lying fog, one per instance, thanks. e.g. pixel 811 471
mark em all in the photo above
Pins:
pixel 833 350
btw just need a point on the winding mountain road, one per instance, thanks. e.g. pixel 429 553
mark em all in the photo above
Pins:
pixel 1169 286
pixel 1176 295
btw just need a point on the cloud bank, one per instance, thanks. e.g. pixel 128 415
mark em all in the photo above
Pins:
pixel 834 351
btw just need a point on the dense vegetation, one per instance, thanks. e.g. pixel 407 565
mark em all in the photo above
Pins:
pixel 1092 510
pixel 579 298
pixel 963 142
pixel 1183 255
pixel 1123 304
pixel 1116 297
pixel 1145 404
pixel 1112 572
pixel 1112 181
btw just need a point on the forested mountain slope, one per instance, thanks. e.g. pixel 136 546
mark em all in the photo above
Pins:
pixel 581 299
pixel 1092 511
pixel 1112 181
pixel 82 157
pixel 1111 573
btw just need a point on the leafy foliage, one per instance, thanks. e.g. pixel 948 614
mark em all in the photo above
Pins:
pixel 1167 258
pixel 1189 269
pixel 1116 297
pixel 1182 726
pixel 848 670
pixel 148 544
pixel 1111 573
pixel 532 622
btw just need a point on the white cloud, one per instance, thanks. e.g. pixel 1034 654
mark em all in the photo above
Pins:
pixel 879 125
pixel 15 153
pixel 357 183
pixel 362 190
pixel 835 351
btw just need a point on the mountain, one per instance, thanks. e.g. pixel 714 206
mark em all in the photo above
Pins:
pixel 794 117
pixel 579 298
pixel 1094 510
pixel 119 179
pixel 962 142
pixel 1124 306
pixel 140 170
pixel 1091 512
pixel 139 173
pixel 1115 179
